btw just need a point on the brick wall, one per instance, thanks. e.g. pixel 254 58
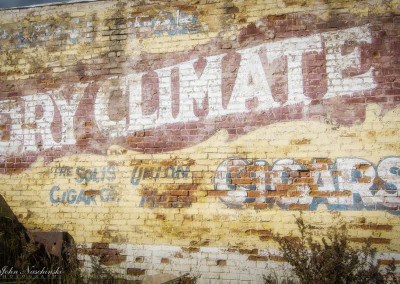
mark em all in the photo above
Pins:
pixel 176 137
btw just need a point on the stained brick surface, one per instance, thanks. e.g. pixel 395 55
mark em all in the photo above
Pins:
pixel 179 137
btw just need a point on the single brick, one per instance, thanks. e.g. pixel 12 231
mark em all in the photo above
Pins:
pixel 258 232
pixel 109 260
pixel 178 192
pixel 298 206
pixel 363 167
pixel 100 245
pixel 92 192
pixel 370 240
pixel 221 262
pixel 388 261
pixel 136 271
pixel 286 187
pixel 248 251
pixel 265 238
pixel 277 258
pixel 160 217
pixel 139 259
pixel 316 193
pixel 253 193
pixel 258 258
pixel 217 193
pixel 260 206
pixel 191 249
pixel 322 161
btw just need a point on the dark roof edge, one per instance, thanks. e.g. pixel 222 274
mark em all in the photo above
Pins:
pixel 52 4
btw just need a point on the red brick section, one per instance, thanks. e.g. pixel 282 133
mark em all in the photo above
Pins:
pixel 297 180
pixel 106 255
pixel 382 54
pixel 184 195
pixel 172 196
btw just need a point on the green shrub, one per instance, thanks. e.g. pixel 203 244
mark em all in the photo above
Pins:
pixel 331 260
pixel 20 253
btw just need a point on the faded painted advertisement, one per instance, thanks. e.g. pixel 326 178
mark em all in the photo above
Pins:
pixel 342 184
pixel 192 93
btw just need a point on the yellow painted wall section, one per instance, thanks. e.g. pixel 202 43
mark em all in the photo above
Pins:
pixel 118 217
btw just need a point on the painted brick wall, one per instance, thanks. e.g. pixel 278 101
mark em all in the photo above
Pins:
pixel 176 137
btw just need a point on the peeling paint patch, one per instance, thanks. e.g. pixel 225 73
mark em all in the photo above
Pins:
pixel 165 23
pixel 34 34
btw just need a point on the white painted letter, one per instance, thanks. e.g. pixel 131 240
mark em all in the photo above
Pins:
pixel 236 194
pixel 389 171
pixel 284 167
pixel 196 89
pixel 251 82
pixel 38 126
pixel 293 49
pixel 323 178
pixel 67 110
pixel 165 96
pixel 111 128
pixel 137 121
pixel 336 62
pixel 356 175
